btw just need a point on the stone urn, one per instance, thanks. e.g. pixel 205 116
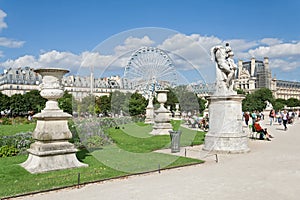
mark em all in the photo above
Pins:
pixel 162 124
pixel 51 149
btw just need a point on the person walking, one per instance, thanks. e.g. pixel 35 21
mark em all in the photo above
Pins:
pixel 285 117
pixel 272 116
pixel 246 117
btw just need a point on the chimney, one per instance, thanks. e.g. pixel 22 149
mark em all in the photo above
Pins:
pixel 252 66
pixel 266 62
pixel 240 67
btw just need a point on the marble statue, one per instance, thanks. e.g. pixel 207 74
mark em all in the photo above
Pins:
pixel 225 134
pixel 269 105
pixel 225 69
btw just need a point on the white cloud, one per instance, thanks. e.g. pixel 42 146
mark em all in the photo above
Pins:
pixel 22 61
pixel 187 51
pixel 192 48
pixel 2 23
pixel 278 50
pixel 52 59
pixel 59 59
pixel 1 54
pixel 133 43
pixel 285 65
pixel 271 41
pixel 10 43
pixel 95 59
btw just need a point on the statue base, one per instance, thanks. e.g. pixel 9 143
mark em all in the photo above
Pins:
pixel 51 160
pixel 51 149
pixel 225 133
pixel 162 124
pixel 149 115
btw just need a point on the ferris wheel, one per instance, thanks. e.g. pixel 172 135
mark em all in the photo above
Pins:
pixel 149 69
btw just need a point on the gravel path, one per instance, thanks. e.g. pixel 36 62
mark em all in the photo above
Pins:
pixel 270 171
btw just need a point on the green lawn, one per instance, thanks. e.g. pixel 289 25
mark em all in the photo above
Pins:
pixel 132 153
pixel 18 128
pixel 137 139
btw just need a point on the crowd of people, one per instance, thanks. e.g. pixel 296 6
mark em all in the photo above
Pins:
pixel 253 120
pixel 282 117
pixel 198 122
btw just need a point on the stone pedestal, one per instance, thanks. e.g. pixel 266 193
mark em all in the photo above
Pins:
pixel 177 112
pixel 162 120
pixel 51 149
pixel 150 112
pixel 225 133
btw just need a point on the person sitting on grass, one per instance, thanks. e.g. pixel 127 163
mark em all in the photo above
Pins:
pixel 263 132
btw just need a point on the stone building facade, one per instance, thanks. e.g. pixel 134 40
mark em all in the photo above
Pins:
pixel 22 80
pixel 250 75
pixel 255 74
pixel 19 81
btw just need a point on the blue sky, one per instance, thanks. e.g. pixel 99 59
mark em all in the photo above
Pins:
pixel 62 33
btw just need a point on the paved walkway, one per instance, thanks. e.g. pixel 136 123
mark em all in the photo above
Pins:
pixel 270 171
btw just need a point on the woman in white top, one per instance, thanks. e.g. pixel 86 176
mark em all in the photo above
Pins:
pixel 285 117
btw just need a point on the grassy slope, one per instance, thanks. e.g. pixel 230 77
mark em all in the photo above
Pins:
pixel 132 153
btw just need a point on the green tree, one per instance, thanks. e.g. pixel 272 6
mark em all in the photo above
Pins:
pixel 241 91
pixel 201 102
pixel 278 105
pixel 137 104
pixel 4 102
pixel 292 102
pixel 187 99
pixel 65 102
pixel 87 105
pixel 257 100
pixel 171 98
pixel 282 101
pixel 119 101
pixel 104 104
pixel 18 105
pixel 34 101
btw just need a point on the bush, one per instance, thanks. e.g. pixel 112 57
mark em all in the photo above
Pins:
pixel 5 121
pixel 20 141
pixel 15 120
pixel 91 132
pixel 6 151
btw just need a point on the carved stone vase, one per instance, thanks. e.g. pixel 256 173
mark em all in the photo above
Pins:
pixel 51 149
pixel 162 120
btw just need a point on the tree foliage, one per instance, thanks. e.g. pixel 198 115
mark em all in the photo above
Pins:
pixel 201 103
pixel 4 102
pixel 34 101
pixel 292 102
pixel 65 103
pixel 171 98
pixel 21 105
pixel 104 104
pixel 137 104
pixel 119 101
pixel 188 100
pixel 257 100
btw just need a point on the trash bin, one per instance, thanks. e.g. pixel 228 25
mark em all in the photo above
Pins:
pixel 175 141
